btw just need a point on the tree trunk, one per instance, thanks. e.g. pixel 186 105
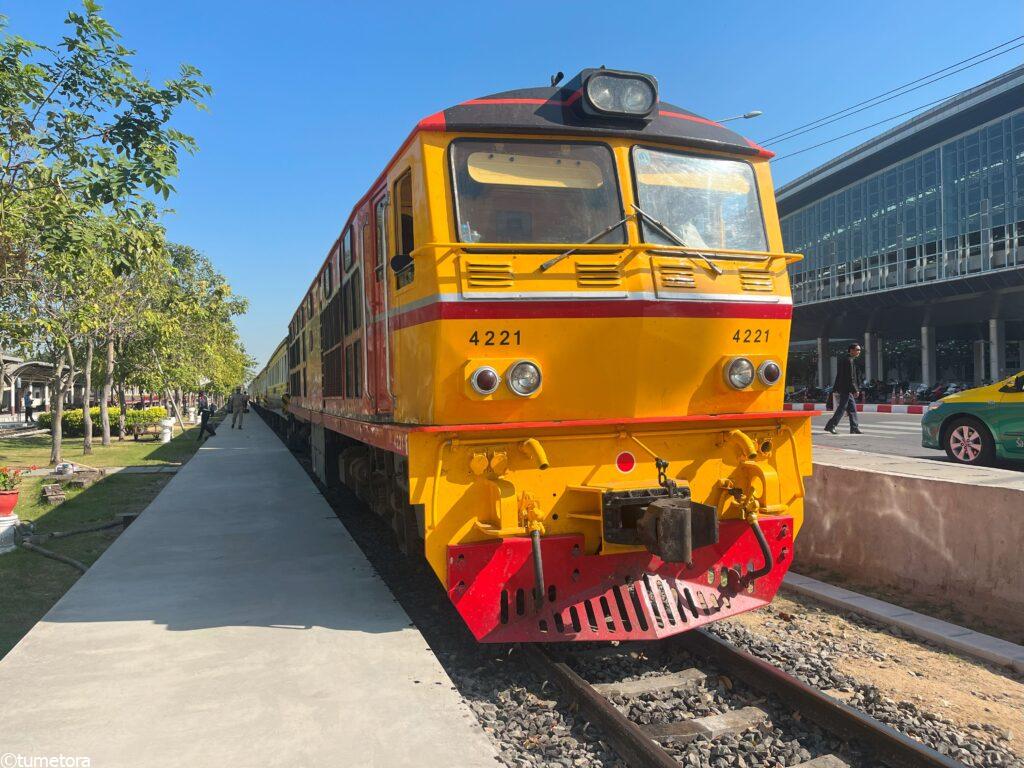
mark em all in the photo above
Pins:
pixel 122 415
pixel 62 384
pixel 57 414
pixel 56 431
pixel 108 383
pixel 87 398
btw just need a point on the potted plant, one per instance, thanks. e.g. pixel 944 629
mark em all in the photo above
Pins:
pixel 10 479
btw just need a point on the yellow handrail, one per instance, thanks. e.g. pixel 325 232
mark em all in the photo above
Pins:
pixel 712 253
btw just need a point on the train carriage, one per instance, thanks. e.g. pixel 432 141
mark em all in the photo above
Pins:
pixel 549 346
pixel 268 388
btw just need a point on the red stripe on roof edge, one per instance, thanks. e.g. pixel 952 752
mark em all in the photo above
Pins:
pixel 434 122
pixel 760 150
pixel 691 118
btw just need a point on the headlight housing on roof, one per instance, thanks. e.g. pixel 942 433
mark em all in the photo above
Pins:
pixel 609 92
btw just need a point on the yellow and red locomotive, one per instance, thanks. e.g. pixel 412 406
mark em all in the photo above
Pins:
pixel 549 346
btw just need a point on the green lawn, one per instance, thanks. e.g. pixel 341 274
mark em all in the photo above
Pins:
pixel 26 451
pixel 29 583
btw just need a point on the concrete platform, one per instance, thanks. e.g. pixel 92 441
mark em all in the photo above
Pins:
pixel 936 468
pixel 235 623
pixel 934 530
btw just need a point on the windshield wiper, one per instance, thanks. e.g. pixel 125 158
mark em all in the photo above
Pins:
pixel 552 261
pixel 679 241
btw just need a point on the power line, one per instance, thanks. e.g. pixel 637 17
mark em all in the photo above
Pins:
pixel 890 98
pixel 858 130
pixel 879 99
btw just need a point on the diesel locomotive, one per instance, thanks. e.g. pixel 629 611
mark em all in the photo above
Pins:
pixel 549 347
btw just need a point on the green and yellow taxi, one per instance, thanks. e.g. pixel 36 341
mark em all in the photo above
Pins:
pixel 978 425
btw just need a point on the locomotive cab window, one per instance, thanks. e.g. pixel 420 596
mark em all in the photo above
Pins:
pixel 346 249
pixel 709 202
pixel 535 192
pixel 404 231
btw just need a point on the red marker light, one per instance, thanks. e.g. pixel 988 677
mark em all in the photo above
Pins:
pixel 485 380
pixel 625 461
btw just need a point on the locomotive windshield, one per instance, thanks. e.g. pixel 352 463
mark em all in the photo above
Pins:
pixel 534 192
pixel 710 202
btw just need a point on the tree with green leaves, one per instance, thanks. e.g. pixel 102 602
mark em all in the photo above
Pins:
pixel 183 337
pixel 85 143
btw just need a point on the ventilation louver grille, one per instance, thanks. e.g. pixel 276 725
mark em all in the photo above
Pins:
pixel 675 275
pixel 488 275
pixel 599 274
pixel 755 280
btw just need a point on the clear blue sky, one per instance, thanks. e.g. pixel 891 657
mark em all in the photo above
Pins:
pixel 312 98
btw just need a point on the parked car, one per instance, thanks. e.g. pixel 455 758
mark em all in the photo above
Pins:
pixel 977 426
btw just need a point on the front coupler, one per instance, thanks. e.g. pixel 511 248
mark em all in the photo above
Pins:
pixel 670 526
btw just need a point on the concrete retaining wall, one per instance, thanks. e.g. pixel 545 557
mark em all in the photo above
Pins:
pixel 950 542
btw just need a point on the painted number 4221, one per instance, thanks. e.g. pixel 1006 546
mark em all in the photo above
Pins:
pixel 496 338
pixel 751 335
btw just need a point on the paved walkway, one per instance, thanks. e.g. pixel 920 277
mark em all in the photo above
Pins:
pixel 235 623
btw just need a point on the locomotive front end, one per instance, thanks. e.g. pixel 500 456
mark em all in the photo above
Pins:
pixel 602 451
pixel 587 532
pixel 549 347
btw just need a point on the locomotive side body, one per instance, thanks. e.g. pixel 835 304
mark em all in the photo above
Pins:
pixel 572 408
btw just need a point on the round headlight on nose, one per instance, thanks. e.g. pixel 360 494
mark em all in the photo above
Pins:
pixel 739 373
pixel 523 378
pixel 769 372
pixel 485 380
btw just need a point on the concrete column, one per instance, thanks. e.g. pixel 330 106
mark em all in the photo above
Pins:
pixel 14 396
pixel 929 373
pixel 823 362
pixel 979 362
pixel 870 355
pixel 880 359
pixel 997 348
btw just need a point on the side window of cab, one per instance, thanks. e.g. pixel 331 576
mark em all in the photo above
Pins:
pixel 405 240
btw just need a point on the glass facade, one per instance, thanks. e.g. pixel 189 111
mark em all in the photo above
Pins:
pixel 953 210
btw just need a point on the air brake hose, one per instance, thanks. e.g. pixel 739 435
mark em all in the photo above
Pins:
pixel 762 542
pixel 538 570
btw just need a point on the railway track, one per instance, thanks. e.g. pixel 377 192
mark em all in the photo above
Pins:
pixel 640 744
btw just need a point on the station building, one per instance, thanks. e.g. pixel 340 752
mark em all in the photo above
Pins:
pixel 913 245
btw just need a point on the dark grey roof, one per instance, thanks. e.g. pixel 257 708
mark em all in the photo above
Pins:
pixel 975 106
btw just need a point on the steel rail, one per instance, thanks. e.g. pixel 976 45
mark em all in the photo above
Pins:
pixel 639 750
pixel 890 746
pixel 625 737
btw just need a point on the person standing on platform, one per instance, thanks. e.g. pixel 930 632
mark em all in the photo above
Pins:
pixel 28 408
pixel 205 411
pixel 844 392
pixel 237 407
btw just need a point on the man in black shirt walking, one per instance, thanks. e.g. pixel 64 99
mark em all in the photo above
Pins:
pixel 205 411
pixel 845 390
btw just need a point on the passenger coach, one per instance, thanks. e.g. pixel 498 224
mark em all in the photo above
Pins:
pixel 548 346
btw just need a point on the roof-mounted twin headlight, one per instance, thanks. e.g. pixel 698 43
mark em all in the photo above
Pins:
pixel 619 94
